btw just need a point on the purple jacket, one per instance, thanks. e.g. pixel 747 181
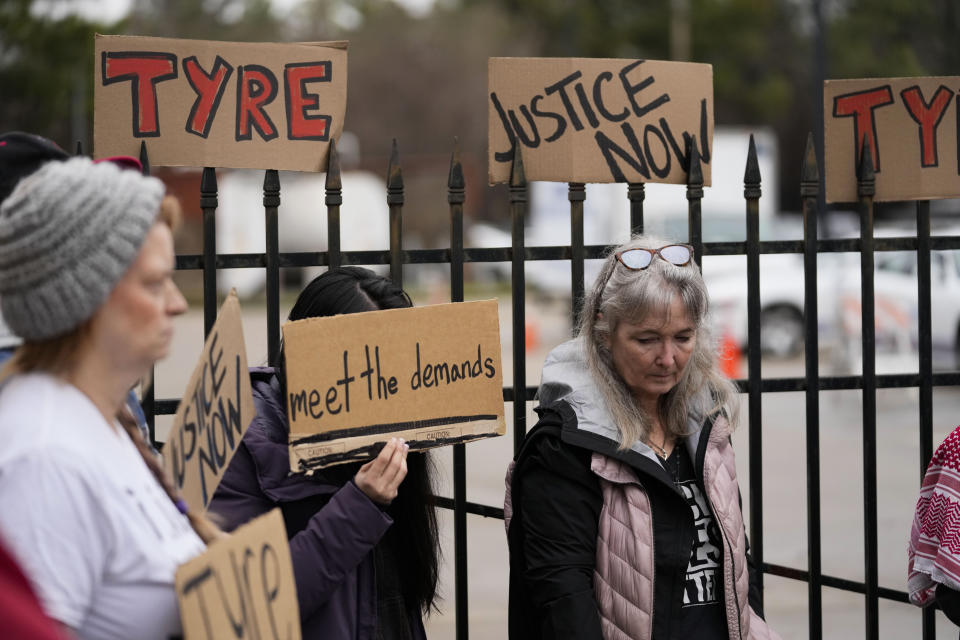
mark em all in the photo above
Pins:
pixel 333 563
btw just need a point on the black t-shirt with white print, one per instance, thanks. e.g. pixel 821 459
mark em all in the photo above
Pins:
pixel 702 613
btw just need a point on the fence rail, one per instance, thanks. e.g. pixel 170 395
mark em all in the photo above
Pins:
pixel 577 252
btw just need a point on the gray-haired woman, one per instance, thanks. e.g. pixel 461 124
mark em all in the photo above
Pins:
pixel 623 512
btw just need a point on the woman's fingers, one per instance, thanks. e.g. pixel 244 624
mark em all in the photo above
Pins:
pixel 382 461
pixel 398 466
pixel 380 478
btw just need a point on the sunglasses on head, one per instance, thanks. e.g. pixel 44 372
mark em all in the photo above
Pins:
pixel 639 259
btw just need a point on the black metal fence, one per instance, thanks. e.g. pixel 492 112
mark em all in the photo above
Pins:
pixel 754 386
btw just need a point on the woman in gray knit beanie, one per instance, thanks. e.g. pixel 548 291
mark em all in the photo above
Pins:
pixel 86 264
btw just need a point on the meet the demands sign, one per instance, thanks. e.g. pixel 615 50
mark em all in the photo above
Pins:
pixel 242 586
pixel 430 375
pixel 216 409
pixel 911 128
pixel 599 120
pixel 219 104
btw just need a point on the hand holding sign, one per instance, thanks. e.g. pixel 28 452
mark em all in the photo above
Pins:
pixel 380 478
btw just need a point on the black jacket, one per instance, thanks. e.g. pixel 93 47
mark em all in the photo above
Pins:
pixel 553 489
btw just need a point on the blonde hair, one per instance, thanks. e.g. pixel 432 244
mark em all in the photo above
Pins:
pixel 58 356
pixel 621 294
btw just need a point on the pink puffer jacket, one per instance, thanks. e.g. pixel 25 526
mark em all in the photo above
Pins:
pixel 623 575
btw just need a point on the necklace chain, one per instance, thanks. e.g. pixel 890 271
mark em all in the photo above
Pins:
pixel 660 450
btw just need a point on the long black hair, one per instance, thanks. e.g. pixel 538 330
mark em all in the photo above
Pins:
pixel 413 538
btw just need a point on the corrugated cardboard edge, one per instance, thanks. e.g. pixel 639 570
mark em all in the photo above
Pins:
pixel 333 44
pixel 309 456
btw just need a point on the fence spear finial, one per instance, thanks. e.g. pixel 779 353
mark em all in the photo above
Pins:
pixel 144 158
pixel 455 181
pixel 208 188
pixel 333 180
pixel 694 168
pixel 394 177
pixel 751 175
pixel 694 171
pixel 518 177
pixel 271 188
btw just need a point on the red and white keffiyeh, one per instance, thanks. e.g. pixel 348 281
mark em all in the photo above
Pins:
pixel 934 554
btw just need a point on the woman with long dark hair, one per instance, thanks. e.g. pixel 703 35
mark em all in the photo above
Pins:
pixel 363 537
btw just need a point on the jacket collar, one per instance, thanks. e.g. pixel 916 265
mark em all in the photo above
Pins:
pixel 568 387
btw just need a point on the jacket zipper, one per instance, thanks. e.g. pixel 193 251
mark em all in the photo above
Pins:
pixel 728 551
pixel 653 583
pixel 733 569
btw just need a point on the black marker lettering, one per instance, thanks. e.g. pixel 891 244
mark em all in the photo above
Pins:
pixel 503 156
pixel 315 413
pixel 587 109
pixel 345 383
pixel 367 373
pixel 475 369
pixel 415 380
pixel 216 379
pixel 608 147
pixel 606 76
pixel 660 172
pixel 561 123
pixel 272 589
pixel 633 89
pixel 533 140
pixel 561 87
pixel 298 404
pixel 196 582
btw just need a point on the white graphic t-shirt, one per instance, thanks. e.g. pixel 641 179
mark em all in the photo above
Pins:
pixel 701 613
pixel 93 530
pixel 703 570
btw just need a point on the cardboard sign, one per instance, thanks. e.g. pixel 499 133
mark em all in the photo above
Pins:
pixel 215 411
pixel 599 120
pixel 430 375
pixel 242 586
pixel 219 104
pixel 911 127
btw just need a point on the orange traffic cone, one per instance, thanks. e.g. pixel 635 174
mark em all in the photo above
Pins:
pixel 729 356
pixel 531 335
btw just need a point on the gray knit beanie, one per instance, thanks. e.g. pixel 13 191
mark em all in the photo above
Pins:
pixel 68 233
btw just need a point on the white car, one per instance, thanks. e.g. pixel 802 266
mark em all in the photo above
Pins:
pixel 896 309
pixel 839 305
pixel 781 287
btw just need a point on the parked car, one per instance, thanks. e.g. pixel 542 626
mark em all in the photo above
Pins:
pixel 781 286
pixel 896 309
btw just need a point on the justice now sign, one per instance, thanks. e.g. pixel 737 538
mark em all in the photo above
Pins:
pixel 216 409
pixel 219 104
pixel 599 120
